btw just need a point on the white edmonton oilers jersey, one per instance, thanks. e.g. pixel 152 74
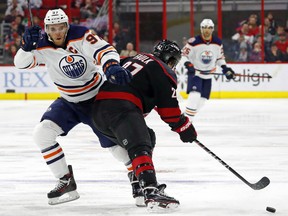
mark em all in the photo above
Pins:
pixel 75 70
pixel 204 55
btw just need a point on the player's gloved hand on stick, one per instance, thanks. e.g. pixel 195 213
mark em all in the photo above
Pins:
pixel 229 73
pixel 185 129
pixel 31 38
pixel 189 66
pixel 116 74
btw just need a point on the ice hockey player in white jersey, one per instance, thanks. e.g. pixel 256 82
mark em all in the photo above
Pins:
pixel 71 55
pixel 201 56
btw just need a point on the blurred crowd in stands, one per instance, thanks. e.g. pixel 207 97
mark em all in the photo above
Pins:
pixel 81 12
pixel 247 42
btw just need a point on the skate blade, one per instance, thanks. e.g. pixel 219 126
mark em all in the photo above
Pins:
pixel 139 201
pixel 67 197
pixel 157 207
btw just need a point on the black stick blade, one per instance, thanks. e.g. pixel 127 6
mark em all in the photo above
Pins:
pixel 264 182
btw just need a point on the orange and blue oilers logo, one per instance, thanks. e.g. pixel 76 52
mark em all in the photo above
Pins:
pixel 206 57
pixel 73 66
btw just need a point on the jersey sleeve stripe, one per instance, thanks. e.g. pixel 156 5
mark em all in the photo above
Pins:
pixel 169 115
pixel 170 120
pixel 99 50
pixel 34 63
pixel 166 112
pixel 104 52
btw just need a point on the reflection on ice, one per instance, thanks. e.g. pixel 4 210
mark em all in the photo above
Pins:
pixel 249 135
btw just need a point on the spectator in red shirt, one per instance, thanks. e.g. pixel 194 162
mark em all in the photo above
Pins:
pixel 282 42
pixel 253 27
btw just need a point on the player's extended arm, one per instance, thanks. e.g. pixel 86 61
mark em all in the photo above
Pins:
pixel 24 57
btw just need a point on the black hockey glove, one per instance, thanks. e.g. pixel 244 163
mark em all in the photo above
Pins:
pixel 189 66
pixel 31 38
pixel 116 74
pixel 229 73
pixel 185 129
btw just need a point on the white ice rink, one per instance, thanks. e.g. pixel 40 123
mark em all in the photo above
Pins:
pixel 249 135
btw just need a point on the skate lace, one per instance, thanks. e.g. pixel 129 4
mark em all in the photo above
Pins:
pixel 60 184
pixel 162 193
pixel 159 190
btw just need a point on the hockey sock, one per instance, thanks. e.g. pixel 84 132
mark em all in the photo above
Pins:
pixel 55 159
pixel 192 104
pixel 201 103
pixel 144 169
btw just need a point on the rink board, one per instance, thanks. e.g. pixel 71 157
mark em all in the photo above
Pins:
pixel 35 84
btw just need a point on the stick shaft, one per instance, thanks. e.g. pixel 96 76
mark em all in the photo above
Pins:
pixel 223 163
pixel 30 12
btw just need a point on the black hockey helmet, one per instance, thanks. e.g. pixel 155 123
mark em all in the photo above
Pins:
pixel 168 51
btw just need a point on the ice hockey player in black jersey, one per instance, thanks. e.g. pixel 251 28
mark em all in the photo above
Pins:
pixel 119 111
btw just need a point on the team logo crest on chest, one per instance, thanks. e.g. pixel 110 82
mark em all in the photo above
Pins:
pixel 73 66
pixel 206 57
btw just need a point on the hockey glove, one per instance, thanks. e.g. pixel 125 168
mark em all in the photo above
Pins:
pixel 31 38
pixel 116 74
pixel 190 68
pixel 185 129
pixel 229 73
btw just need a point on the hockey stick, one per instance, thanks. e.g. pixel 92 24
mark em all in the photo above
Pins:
pixel 262 183
pixel 30 12
pixel 236 74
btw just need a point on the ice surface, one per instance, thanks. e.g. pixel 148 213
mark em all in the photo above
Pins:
pixel 249 135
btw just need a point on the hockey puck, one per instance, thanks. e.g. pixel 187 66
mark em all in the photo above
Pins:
pixel 270 209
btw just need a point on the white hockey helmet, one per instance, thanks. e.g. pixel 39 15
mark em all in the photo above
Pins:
pixel 55 16
pixel 207 22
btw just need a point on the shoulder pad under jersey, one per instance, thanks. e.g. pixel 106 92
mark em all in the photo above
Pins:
pixel 76 32
pixel 216 40
pixel 44 42
pixel 195 40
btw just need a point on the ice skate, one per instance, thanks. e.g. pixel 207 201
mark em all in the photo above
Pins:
pixel 137 191
pixel 65 190
pixel 156 200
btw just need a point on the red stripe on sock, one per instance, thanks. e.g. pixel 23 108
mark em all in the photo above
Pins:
pixel 142 163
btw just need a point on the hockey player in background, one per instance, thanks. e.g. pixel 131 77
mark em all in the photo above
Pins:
pixel 201 55
pixel 70 54
pixel 119 113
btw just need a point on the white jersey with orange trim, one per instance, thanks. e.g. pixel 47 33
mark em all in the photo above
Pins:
pixel 76 69
pixel 204 55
